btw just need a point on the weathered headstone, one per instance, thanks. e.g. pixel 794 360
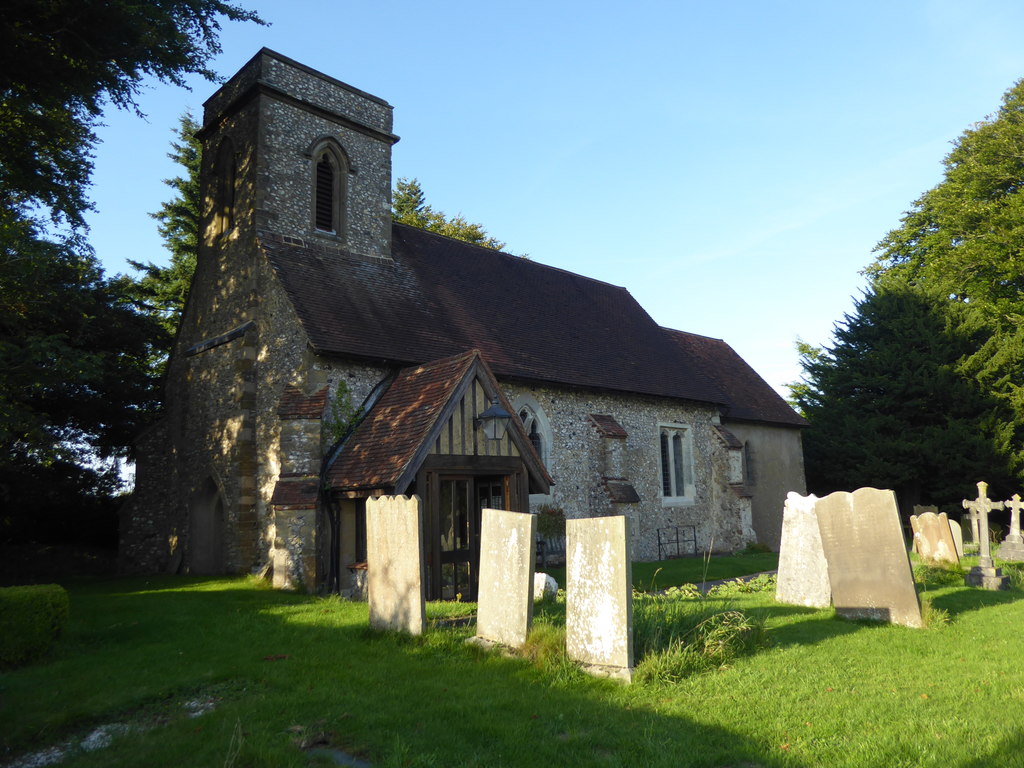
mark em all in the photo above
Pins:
pixel 935 539
pixel 984 574
pixel 505 594
pixel 1012 547
pixel 919 509
pixel 868 565
pixel 958 537
pixel 975 538
pixel 598 603
pixel 544 586
pixel 915 528
pixel 394 532
pixel 803 572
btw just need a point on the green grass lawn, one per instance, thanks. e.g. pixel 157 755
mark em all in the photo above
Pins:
pixel 288 674
pixel 691 570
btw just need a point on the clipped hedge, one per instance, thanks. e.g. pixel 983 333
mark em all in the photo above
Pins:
pixel 31 619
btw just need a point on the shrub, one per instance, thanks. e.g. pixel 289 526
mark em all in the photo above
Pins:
pixel 550 522
pixel 765 582
pixel 31 619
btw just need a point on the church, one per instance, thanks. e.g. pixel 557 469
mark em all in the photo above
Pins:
pixel 327 355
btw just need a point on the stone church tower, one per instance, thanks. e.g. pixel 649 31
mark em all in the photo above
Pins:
pixel 288 152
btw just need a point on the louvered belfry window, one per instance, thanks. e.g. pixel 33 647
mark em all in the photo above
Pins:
pixel 324 203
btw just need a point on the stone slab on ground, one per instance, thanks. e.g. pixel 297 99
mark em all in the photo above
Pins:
pixel 599 596
pixel 868 565
pixel 394 575
pixel 505 592
pixel 803 571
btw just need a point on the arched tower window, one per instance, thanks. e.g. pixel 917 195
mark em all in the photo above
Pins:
pixel 224 173
pixel 330 172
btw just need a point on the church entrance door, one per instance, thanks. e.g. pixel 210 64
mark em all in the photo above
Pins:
pixel 454 535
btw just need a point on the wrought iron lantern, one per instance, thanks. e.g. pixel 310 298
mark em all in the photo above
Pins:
pixel 494 421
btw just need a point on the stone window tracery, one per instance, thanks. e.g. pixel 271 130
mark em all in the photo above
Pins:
pixel 676 447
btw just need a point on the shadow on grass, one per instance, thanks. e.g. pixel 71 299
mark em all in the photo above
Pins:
pixel 960 601
pixel 299 665
pixel 1010 752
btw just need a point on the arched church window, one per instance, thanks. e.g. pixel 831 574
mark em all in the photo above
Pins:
pixel 676 447
pixel 330 172
pixel 537 428
pixel 224 195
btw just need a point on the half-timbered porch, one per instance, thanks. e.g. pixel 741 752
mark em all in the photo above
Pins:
pixel 424 436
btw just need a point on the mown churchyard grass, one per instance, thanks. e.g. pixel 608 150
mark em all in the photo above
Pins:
pixel 692 570
pixel 224 672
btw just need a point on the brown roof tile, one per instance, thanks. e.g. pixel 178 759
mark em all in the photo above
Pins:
pixel 748 396
pixel 730 440
pixel 383 445
pixel 439 296
pixel 296 404
pixel 607 426
pixel 297 492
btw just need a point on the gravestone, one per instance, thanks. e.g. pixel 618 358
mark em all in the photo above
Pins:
pixel 984 574
pixel 394 568
pixel 975 539
pixel 505 593
pixel 1012 547
pixel 935 538
pixel 919 509
pixel 803 572
pixel 958 537
pixel 868 565
pixel 599 599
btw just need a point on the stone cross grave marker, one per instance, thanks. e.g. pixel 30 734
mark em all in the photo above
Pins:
pixel 803 572
pixel 984 574
pixel 505 595
pixel 1012 547
pixel 599 596
pixel 935 538
pixel 394 532
pixel 868 564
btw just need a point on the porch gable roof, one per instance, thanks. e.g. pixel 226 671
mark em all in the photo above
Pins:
pixel 386 449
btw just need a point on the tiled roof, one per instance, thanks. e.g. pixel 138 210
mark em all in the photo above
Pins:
pixel 383 446
pixel 607 426
pixel 296 491
pixel 748 396
pixel 296 404
pixel 438 297
pixel 728 438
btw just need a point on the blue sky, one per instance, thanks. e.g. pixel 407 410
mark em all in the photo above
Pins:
pixel 732 164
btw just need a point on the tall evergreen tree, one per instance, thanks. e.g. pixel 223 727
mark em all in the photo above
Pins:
pixel 162 289
pixel 76 380
pixel 890 404
pixel 965 240
pixel 61 60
